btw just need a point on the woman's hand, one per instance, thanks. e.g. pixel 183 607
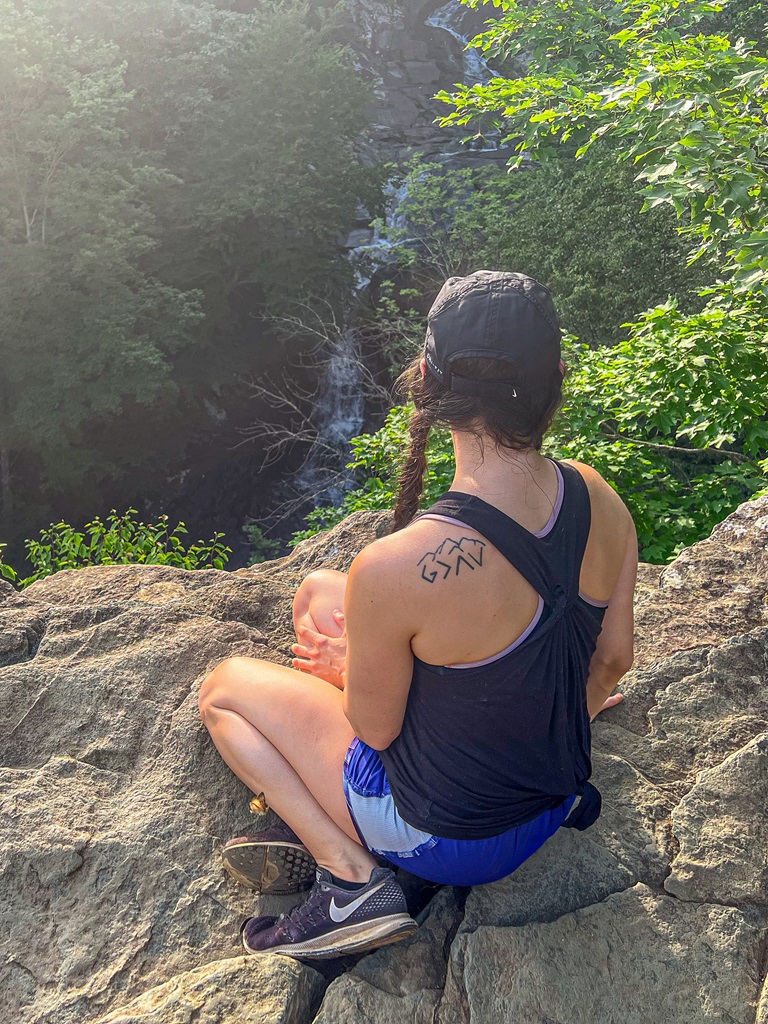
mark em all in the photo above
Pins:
pixel 320 655
pixel 611 702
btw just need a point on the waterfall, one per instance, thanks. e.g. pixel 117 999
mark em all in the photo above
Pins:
pixel 452 18
pixel 339 408
pixel 380 252
pixel 338 415
pixel 340 401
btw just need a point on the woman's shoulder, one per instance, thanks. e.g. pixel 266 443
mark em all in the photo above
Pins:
pixel 400 546
pixel 398 559
pixel 602 495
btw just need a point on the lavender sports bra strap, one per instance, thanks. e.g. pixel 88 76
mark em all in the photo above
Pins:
pixel 551 564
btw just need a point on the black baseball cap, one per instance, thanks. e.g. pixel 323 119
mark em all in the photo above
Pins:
pixel 494 315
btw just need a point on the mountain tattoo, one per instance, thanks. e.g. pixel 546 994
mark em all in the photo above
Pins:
pixel 451 557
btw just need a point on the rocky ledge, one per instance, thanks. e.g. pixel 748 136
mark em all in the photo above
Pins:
pixel 113 803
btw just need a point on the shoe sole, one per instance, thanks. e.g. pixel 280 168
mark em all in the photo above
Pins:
pixel 355 938
pixel 278 868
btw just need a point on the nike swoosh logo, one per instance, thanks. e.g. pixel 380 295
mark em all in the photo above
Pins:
pixel 339 914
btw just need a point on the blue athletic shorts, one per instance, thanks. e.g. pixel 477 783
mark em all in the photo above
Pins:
pixel 449 861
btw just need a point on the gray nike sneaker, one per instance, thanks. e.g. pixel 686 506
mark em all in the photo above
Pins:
pixel 273 860
pixel 332 921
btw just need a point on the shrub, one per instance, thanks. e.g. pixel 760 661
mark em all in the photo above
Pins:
pixel 675 419
pixel 121 540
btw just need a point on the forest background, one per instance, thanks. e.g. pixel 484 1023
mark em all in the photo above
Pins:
pixel 173 192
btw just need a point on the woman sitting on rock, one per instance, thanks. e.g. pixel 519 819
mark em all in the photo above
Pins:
pixel 438 714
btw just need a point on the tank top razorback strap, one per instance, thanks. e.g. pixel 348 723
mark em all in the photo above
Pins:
pixel 550 563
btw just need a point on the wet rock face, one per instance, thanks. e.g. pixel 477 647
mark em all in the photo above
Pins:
pixel 114 803
pixel 409 52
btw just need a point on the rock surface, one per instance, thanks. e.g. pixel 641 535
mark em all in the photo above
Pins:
pixel 113 804
pixel 635 957
pixel 248 990
pixel 409 51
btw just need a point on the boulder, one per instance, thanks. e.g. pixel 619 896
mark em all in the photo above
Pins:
pixel 248 990
pixel 722 832
pixel 409 59
pixel 114 804
pixel 112 800
pixel 635 957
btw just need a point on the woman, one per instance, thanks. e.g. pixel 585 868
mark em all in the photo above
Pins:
pixel 437 715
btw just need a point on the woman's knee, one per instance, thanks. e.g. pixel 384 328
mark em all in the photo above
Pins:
pixel 318 580
pixel 318 594
pixel 222 683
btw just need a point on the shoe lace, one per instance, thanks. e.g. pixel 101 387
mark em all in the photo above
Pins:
pixel 306 911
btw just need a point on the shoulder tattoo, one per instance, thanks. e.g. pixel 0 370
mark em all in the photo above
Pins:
pixel 451 558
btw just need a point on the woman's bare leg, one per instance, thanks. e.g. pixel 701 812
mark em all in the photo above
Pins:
pixel 284 733
pixel 318 621
pixel 318 597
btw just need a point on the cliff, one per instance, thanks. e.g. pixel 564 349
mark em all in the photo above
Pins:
pixel 114 803
pixel 407 52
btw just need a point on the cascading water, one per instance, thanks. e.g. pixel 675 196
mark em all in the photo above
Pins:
pixel 339 403
pixel 380 252
pixel 453 18
pixel 338 415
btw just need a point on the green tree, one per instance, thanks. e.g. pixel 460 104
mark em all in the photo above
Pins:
pixel 83 328
pixel 676 415
pixel 169 172
pixel 534 221
pixel 676 419
pixel 257 114
pixel 687 109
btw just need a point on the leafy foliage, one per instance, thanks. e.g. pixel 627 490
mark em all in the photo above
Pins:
pixel 121 540
pixel 166 176
pixel 676 415
pixel 688 109
pixel 575 225
pixel 262 548
pixel 676 421
pixel 84 328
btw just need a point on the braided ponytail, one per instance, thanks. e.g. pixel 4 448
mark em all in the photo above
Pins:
pixel 514 426
pixel 411 482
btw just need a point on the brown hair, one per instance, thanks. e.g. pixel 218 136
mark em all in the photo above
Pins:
pixel 513 423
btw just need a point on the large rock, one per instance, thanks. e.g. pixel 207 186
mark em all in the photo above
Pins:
pixel 113 803
pixel 112 800
pixel 408 56
pixel 722 831
pixel 251 991
pixel 715 589
pixel 634 958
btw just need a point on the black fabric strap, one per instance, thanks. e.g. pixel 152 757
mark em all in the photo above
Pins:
pixel 551 564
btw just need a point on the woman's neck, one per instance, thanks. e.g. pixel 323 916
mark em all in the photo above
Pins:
pixel 485 470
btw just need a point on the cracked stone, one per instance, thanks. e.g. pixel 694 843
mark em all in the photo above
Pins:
pixel 634 958
pixel 252 990
pixel 722 830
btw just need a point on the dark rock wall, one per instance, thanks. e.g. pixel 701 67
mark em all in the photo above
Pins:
pixel 407 61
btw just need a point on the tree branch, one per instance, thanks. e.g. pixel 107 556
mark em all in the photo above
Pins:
pixel 719 454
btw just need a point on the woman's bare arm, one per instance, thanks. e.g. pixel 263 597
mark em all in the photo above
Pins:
pixel 614 653
pixel 379 612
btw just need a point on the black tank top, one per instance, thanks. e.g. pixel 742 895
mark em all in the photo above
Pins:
pixel 484 749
